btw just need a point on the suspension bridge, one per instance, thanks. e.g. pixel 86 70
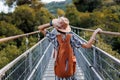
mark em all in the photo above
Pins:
pixel 37 63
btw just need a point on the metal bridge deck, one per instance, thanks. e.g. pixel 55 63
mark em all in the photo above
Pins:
pixel 49 73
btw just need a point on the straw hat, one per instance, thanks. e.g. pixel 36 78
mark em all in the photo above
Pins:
pixel 61 24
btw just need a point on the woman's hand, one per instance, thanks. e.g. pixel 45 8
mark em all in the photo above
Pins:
pixel 98 30
pixel 92 39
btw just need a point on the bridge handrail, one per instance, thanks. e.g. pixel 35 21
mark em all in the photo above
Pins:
pixel 11 64
pixel 103 32
pixel 31 33
pixel 17 36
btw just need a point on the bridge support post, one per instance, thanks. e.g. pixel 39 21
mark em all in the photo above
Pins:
pixel 78 33
pixel 29 55
pixel 73 30
pixel 94 61
pixel 94 57
pixel 30 61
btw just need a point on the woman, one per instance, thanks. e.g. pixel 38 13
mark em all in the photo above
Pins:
pixel 65 43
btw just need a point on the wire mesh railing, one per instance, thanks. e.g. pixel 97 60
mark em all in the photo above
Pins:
pixel 97 63
pixel 38 71
pixel 22 67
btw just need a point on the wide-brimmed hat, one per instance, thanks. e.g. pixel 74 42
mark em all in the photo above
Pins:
pixel 61 24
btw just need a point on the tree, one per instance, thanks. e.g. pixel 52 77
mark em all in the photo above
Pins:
pixel 7 29
pixel 24 18
pixel 21 2
pixel 27 15
pixel 7 55
pixel 73 15
pixel 6 17
pixel 87 5
pixel 60 12
pixel 36 4
pixel 117 1
pixel 109 18
pixel 42 16
pixel 18 2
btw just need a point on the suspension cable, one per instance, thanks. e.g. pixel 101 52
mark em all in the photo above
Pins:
pixel 102 32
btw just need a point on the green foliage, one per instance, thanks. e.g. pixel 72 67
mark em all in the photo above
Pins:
pixel 110 18
pixel 8 29
pixel 36 4
pixel 87 5
pixel 111 22
pixel 42 16
pixel 116 44
pixel 85 20
pixel 106 47
pixel 73 15
pixel 5 17
pixel 106 18
pixel 54 6
pixel 78 18
pixel 22 2
pixel 117 1
pixel 60 12
pixel 8 54
pixel 10 2
pixel 24 18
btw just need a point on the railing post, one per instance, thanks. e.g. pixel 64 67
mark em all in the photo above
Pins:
pixel 94 53
pixel 29 55
pixel 94 57
pixel 27 43
pixel 77 31
pixel 84 35
pixel 38 37
pixel 30 61
pixel 73 30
